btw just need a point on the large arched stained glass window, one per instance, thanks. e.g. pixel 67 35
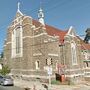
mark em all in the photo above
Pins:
pixel 73 54
pixel 17 42
pixel 18 38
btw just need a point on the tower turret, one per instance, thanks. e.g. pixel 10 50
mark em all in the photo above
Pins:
pixel 41 16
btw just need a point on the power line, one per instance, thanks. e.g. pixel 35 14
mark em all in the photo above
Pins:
pixel 58 4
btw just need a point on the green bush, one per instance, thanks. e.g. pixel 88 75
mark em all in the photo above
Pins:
pixel 55 82
pixel 5 70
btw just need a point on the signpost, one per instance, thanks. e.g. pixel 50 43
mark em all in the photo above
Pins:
pixel 49 70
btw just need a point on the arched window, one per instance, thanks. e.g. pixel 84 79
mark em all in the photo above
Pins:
pixel 37 64
pixel 73 54
pixel 17 42
pixel 87 64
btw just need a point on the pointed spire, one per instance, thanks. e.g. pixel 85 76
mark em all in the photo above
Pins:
pixel 41 15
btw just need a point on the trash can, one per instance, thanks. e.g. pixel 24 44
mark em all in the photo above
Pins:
pixel 59 77
pixel 62 78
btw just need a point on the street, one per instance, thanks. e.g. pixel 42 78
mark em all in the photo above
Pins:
pixel 10 88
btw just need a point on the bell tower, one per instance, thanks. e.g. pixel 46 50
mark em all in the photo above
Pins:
pixel 41 16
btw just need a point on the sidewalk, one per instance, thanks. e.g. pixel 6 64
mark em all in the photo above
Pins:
pixel 38 86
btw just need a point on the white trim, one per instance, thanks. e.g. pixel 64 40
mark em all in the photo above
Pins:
pixel 73 75
pixel 70 29
pixel 51 54
pixel 17 19
pixel 35 27
pixel 46 77
pixel 8 43
pixel 74 69
pixel 87 76
pixel 87 72
pixel 53 36
pixel 20 21
pixel 87 68
pixel 40 34
pixel 37 64
pixel 34 36
pixel 26 24
pixel 37 54
pixel 13 50
pixel 45 41
pixel 25 70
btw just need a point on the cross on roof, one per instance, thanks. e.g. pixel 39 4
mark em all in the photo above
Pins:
pixel 18 6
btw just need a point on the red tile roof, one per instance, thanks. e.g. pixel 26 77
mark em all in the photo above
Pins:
pixel 61 33
pixel 56 32
pixel 52 31
pixel 36 23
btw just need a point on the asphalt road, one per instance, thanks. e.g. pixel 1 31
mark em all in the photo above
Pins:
pixel 10 88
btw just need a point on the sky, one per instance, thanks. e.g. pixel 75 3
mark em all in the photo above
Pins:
pixel 58 13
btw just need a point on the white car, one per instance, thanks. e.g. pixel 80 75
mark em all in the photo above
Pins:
pixel 6 80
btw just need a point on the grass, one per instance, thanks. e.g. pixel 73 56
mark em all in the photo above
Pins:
pixel 59 83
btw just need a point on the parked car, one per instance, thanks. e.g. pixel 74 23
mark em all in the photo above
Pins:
pixel 1 78
pixel 6 80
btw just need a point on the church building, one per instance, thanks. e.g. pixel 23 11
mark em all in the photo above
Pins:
pixel 32 45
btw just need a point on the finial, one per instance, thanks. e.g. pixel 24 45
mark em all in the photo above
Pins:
pixel 18 6
pixel 41 15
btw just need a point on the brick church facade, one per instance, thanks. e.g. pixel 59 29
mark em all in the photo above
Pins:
pixel 30 43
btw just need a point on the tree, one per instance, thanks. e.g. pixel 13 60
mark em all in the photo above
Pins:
pixel 5 70
pixel 1 55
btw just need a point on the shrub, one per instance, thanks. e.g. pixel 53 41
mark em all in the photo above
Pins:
pixel 55 82
pixel 5 70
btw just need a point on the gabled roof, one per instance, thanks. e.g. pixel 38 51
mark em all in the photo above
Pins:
pixel 52 30
pixel 56 32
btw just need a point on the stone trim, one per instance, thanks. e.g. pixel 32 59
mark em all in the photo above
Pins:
pixel 34 36
pixel 52 54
